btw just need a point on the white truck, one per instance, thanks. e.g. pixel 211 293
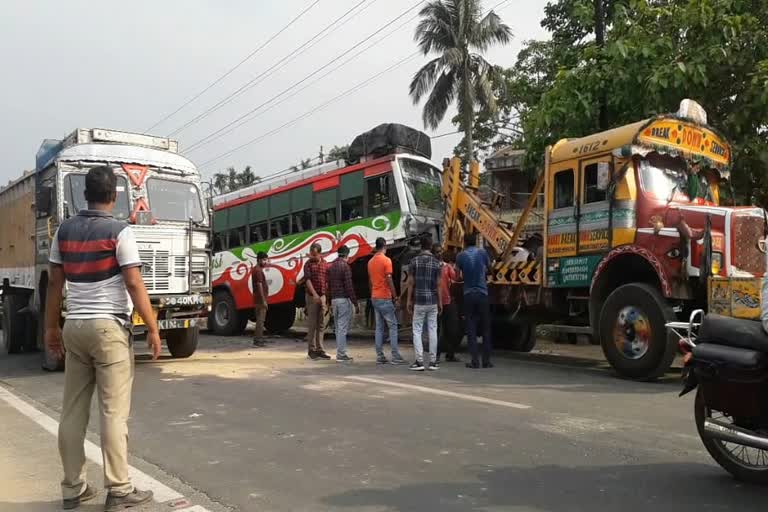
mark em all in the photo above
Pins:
pixel 158 193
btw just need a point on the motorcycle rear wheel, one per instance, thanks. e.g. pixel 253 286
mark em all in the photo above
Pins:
pixel 743 462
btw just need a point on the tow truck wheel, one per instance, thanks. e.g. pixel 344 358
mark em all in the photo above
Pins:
pixel 280 318
pixel 182 343
pixel 225 319
pixel 517 335
pixel 13 326
pixel 633 333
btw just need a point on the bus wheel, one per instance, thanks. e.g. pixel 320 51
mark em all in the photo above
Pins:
pixel 280 318
pixel 633 333
pixel 182 343
pixel 224 318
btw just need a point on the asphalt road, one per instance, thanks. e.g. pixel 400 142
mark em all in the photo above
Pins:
pixel 269 430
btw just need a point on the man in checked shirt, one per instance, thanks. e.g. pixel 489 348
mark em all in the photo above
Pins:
pixel 425 301
pixel 343 300
pixel 316 276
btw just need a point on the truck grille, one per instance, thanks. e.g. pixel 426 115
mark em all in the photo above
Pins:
pixel 155 270
pixel 747 231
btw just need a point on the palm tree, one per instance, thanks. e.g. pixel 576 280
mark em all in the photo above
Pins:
pixel 220 183
pixel 247 177
pixel 459 33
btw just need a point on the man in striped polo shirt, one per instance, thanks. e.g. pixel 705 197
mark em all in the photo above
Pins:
pixel 98 259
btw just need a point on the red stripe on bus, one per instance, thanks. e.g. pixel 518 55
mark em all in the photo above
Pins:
pixel 378 169
pixel 325 184
pixel 301 183
pixel 87 245
pixel 91 267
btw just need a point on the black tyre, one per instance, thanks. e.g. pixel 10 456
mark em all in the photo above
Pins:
pixel 14 329
pixel 280 318
pixel 748 465
pixel 633 333
pixel 182 343
pixel 517 335
pixel 224 318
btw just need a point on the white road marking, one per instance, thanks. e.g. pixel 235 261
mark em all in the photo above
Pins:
pixel 140 479
pixel 441 392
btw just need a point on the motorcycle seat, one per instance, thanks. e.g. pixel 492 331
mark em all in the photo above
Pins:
pixel 733 332
pixel 730 357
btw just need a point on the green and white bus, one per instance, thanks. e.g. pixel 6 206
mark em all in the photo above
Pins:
pixel 397 196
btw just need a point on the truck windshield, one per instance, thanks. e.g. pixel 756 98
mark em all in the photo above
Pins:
pixel 174 200
pixel 74 195
pixel 669 179
pixel 422 186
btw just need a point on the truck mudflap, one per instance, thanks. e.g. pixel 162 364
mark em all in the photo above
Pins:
pixel 737 297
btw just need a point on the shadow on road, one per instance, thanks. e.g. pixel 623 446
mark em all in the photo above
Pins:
pixel 673 487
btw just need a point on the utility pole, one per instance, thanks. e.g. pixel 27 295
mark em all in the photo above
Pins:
pixel 602 118
pixel 321 155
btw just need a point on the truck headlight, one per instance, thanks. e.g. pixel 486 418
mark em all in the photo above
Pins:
pixel 717 262
pixel 198 278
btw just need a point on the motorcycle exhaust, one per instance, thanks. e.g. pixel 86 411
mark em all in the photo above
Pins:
pixel 733 434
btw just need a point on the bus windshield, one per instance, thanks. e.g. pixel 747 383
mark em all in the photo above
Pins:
pixel 422 186
pixel 174 200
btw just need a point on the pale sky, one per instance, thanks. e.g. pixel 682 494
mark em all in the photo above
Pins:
pixel 125 65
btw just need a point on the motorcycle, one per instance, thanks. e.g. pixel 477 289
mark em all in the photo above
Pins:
pixel 726 362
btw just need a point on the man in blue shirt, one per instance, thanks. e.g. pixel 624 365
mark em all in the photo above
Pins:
pixel 474 263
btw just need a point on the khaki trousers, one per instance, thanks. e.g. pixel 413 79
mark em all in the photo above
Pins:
pixel 315 320
pixel 98 355
pixel 261 315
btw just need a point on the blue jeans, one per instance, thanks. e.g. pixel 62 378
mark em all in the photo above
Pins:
pixel 428 314
pixel 342 316
pixel 385 313
pixel 477 310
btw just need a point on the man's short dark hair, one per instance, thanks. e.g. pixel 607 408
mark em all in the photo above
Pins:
pixel 100 185
pixel 343 251
pixel 437 249
pixel 380 243
pixel 262 256
pixel 315 247
pixel 426 243
pixel 470 240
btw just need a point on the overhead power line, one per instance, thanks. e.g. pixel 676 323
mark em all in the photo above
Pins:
pixel 315 72
pixel 195 146
pixel 231 70
pixel 313 111
pixel 332 100
pixel 319 36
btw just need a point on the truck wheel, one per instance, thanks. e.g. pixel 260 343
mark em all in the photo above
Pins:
pixel 280 318
pixel 13 325
pixel 225 319
pixel 519 336
pixel 182 343
pixel 633 333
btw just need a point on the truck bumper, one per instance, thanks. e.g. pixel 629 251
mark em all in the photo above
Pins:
pixel 737 297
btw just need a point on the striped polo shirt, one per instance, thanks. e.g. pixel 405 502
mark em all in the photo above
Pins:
pixel 93 248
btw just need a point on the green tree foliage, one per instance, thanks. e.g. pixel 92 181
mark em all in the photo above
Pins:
pixel 337 153
pixel 230 180
pixel 655 54
pixel 457 31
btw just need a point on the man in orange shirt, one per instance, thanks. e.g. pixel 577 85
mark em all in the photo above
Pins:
pixel 384 300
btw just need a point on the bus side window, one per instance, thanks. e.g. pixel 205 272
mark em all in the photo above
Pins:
pixel 302 221
pixel 325 208
pixel 351 188
pixel 236 238
pixel 380 193
pixel 218 242
pixel 280 227
pixel 564 189
pixel 257 232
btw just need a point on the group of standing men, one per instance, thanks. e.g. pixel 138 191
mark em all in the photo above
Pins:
pixel 428 299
